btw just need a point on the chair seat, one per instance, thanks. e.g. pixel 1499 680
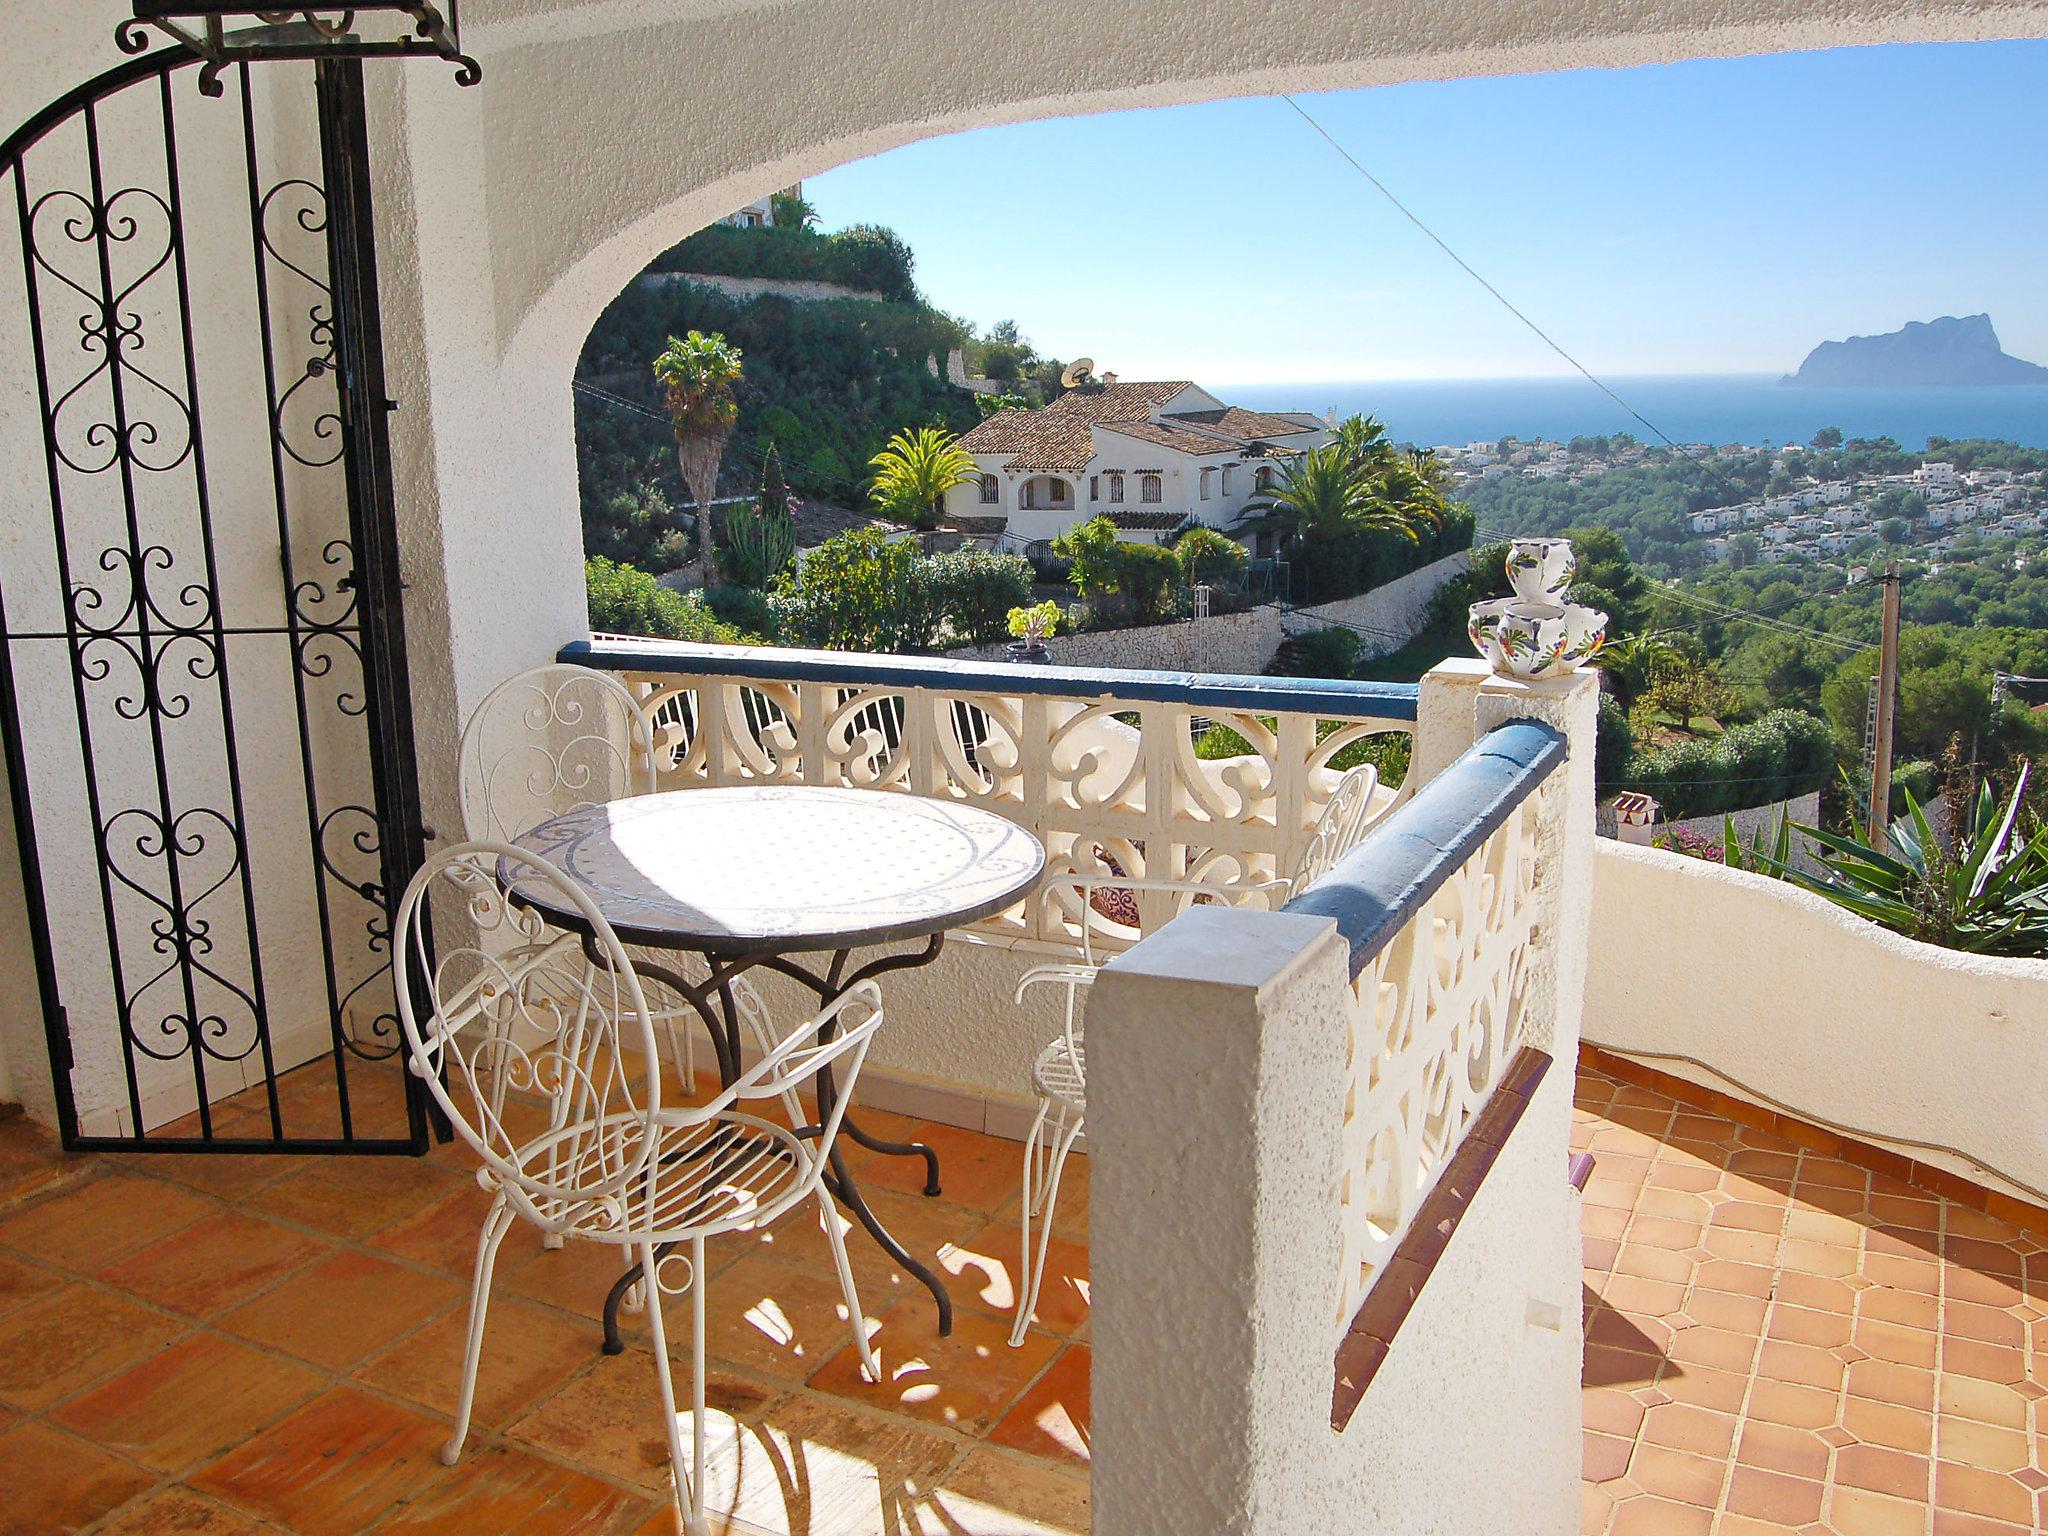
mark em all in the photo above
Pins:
pixel 1061 1072
pixel 724 1174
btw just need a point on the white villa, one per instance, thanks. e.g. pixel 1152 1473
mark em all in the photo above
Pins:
pixel 1153 457
pixel 760 213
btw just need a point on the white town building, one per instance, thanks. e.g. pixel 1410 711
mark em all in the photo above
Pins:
pixel 1153 457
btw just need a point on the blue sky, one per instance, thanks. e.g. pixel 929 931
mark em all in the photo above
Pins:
pixel 1709 217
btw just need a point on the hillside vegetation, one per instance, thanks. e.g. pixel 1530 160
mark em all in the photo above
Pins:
pixel 827 382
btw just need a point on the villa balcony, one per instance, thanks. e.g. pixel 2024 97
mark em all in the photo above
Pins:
pixel 1327 1204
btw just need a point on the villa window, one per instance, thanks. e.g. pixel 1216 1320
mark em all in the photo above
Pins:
pixel 1226 479
pixel 1059 491
pixel 1208 475
pixel 1116 486
pixel 989 491
pixel 1095 487
pixel 1264 481
pixel 1150 488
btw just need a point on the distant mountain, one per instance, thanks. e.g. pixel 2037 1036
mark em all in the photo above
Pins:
pixel 1950 350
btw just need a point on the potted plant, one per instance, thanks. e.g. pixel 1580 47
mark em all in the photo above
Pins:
pixel 1033 627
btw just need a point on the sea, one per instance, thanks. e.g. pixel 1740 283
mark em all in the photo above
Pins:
pixel 1753 409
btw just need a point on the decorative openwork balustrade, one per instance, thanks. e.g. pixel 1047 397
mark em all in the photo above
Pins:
pixel 1444 911
pixel 1102 765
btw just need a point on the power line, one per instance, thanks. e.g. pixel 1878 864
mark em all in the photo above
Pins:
pixel 1502 299
pixel 1549 341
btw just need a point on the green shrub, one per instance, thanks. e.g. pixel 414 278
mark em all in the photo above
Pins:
pixel 745 609
pixel 973 592
pixel 1330 652
pixel 1206 556
pixel 866 257
pixel 858 591
pixel 1123 583
pixel 1785 753
pixel 625 601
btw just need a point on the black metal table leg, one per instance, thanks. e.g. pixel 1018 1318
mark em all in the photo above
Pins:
pixel 723 1024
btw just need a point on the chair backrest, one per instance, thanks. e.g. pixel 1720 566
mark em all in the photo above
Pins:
pixel 550 740
pixel 528 1033
pixel 1338 829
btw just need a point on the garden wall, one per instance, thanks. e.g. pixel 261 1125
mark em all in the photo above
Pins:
pixel 1940 1054
pixel 799 289
pixel 1392 614
pixel 1236 643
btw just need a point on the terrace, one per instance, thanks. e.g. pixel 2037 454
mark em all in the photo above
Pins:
pixel 1324 1237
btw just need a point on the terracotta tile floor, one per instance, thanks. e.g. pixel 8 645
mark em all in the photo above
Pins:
pixel 1779 1341
pixel 1776 1341
pixel 226 1345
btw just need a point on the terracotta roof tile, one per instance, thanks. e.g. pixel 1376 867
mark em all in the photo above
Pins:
pixel 1057 437
pixel 1147 521
pixel 1180 439
pixel 1236 421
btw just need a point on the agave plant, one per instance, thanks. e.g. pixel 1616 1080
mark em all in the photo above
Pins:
pixel 760 537
pixel 1988 894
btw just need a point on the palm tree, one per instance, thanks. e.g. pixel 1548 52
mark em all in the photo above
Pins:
pixel 914 472
pixel 1364 441
pixel 697 374
pixel 1322 496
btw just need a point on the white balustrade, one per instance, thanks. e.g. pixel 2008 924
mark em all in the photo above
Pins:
pixel 1431 1024
pixel 1103 770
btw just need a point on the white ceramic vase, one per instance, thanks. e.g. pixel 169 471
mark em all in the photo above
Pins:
pixel 1540 569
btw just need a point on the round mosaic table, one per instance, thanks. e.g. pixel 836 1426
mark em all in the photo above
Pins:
pixel 750 877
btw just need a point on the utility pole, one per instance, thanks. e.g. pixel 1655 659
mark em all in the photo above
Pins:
pixel 1887 699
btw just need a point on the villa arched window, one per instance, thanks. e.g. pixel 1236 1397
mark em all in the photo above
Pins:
pixel 1150 488
pixel 1227 472
pixel 989 490
pixel 1208 481
pixel 1264 479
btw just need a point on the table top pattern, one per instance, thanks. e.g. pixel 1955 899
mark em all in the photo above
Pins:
pixel 785 868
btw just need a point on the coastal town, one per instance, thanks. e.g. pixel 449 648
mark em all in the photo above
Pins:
pixel 1933 509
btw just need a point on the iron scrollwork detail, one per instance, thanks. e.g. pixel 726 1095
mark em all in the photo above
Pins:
pixel 134 223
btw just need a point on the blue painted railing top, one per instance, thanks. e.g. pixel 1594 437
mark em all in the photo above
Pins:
pixel 1331 698
pixel 1377 887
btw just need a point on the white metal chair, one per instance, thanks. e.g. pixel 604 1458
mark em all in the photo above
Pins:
pixel 542 1052
pixel 556 739
pixel 1060 1074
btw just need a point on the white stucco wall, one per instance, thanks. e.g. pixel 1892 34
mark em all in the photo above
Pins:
pixel 1838 1020
pixel 1236 643
pixel 1218 1077
pixel 1399 608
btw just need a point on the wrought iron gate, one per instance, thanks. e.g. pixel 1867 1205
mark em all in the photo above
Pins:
pixel 202 665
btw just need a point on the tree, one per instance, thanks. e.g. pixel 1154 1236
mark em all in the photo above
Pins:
pixel 1633 662
pixel 1895 530
pixel 792 210
pixel 914 472
pixel 1364 440
pixel 1743 550
pixel 1686 691
pixel 697 374
pixel 1828 437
